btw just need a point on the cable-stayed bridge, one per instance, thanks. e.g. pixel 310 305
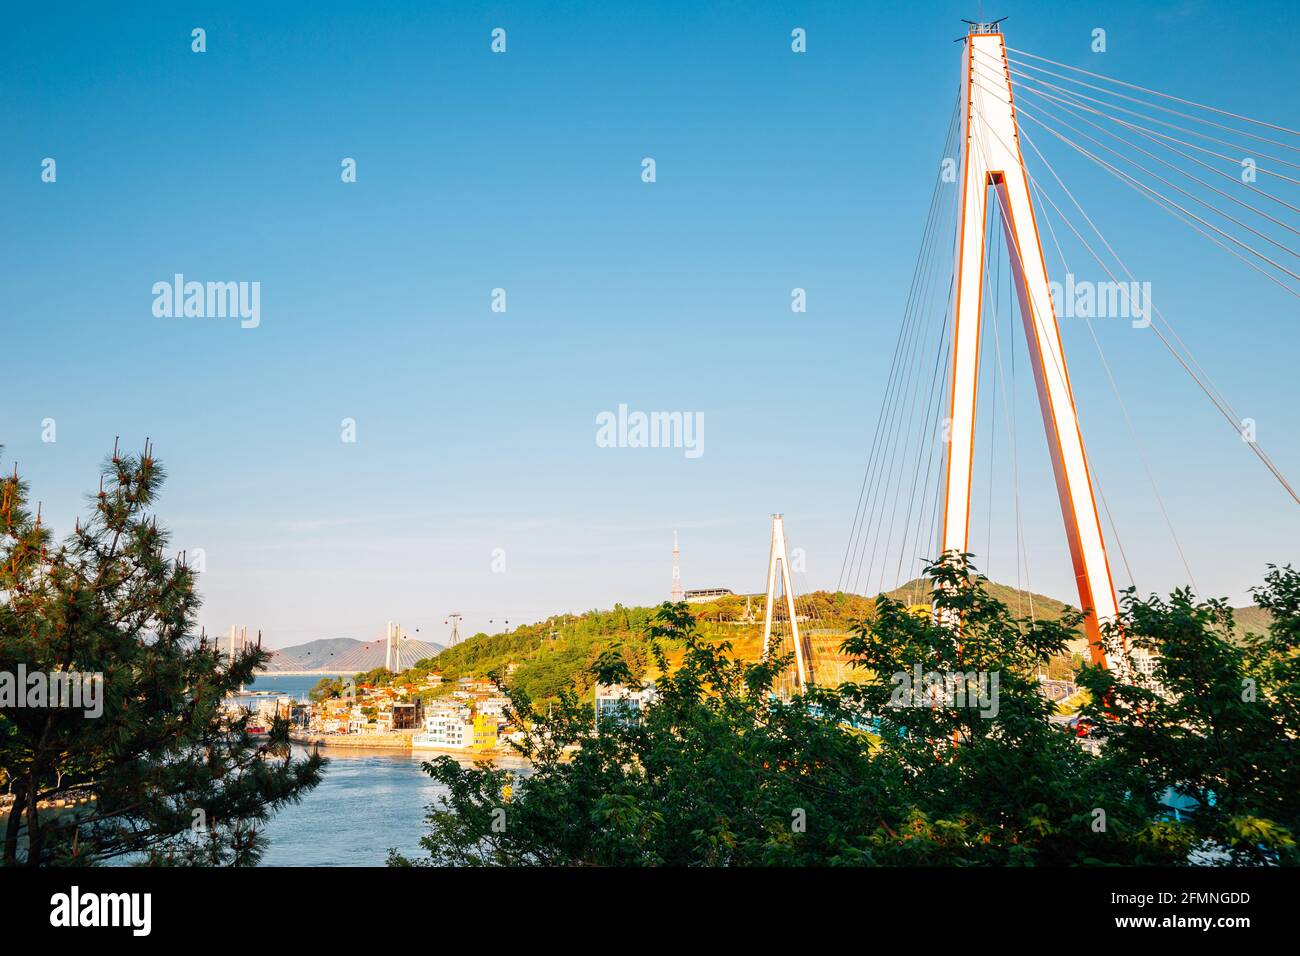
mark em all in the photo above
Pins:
pixel 1003 233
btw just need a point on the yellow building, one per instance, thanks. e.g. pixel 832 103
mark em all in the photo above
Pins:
pixel 485 732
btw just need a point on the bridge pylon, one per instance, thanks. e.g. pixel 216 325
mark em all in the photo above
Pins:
pixel 992 161
pixel 778 555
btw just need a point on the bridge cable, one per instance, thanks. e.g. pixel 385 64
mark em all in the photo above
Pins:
pixel 1206 385
pixel 1164 162
pixel 1158 197
pixel 1262 235
pixel 1154 106
pixel 901 376
pixel 1204 380
pixel 1074 98
pixel 920 266
pixel 1141 450
pixel 1143 89
pixel 898 453
pixel 1163 141
pixel 1133 183
pixel 1152 119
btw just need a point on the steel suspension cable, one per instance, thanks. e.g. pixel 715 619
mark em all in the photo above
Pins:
pixel 888 448
pixel 1159 197
pixel 1253 231
pixel 1156 106
pixel 1141 450
pixel 902 336
pixel 876 500
pixel 1162 141
pixel 1205 385
pixel 1143 89
pixel 1153 119
pixel 1160 159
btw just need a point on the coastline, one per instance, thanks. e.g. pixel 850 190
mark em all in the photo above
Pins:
pixel 397 740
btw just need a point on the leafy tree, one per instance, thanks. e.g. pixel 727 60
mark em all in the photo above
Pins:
pixel 1216 722
pixel 325 689
pixel 377 677
pixel 174 777
pixel 719 770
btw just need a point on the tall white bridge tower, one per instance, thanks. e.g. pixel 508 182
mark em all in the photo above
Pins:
pixel 992 165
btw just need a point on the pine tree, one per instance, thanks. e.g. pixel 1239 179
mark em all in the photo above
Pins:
pixel 164 773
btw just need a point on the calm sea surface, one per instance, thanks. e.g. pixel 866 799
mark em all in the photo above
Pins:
pixel 295 686
pixel 368 801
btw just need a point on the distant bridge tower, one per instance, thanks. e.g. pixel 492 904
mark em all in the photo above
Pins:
pixel 992 161
pixel 454 621
pixel 778 554
pixel 677 593
pixel 392 647
pixel 239 640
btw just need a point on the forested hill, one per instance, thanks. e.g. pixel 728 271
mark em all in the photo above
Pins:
pixel 546 657
pixel 551 655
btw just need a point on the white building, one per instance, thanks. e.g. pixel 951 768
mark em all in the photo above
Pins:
pixel 493 706
pixel 705 595
pixel 446 725
pixel 616 700
pixel 1144 662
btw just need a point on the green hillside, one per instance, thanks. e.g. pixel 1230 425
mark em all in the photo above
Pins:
pixel 1250 620
pixel 544 658
pixel 1021 603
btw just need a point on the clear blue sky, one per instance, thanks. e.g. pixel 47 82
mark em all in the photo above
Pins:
pixel 522 171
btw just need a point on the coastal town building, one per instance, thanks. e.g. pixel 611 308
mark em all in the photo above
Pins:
pixel 494 706
pixel 420 714
pixel 705 595
pixel 616 701
pixel 486 729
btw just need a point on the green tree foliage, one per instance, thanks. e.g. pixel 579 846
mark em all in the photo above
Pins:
pixel 325 689
pixel 1217 720
pixel 376 677
pixel 554 655
pixel 174 778
pixel 719 770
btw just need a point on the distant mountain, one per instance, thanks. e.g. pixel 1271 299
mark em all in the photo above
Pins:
pixel 314 655
pixel 348 655
pixel 369 655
